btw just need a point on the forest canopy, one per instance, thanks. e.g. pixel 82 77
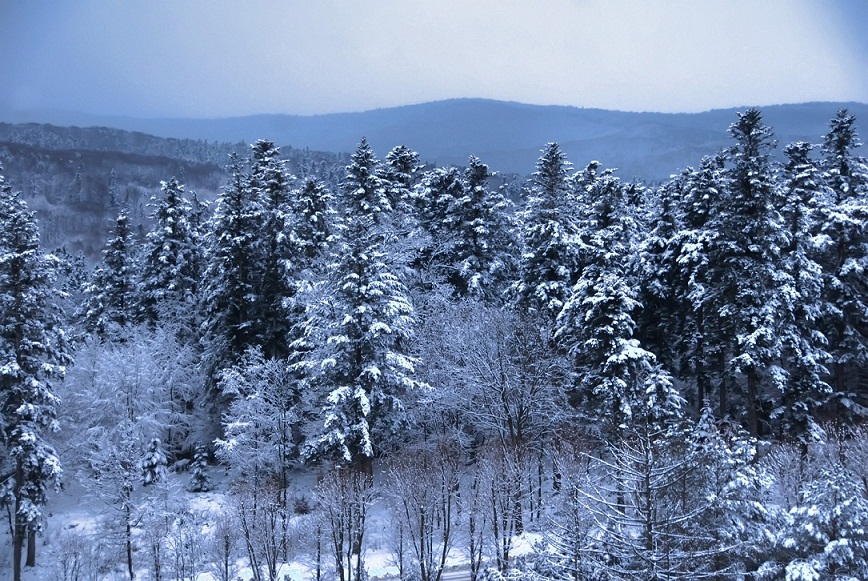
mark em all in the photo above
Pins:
pixel 663 382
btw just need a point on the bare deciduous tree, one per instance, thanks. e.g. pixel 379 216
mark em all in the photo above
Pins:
pixel 424 498
pixel 261 519
pixel 344 496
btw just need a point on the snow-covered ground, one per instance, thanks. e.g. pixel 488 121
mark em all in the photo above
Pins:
pixel 73 518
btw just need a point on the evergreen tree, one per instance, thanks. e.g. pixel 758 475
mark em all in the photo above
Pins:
pixel 365 195
pixel 270 183
pixel 843 230
pixel 470 234
pixel 487 248
pixel 659 273
pixel 199 480
pixel 845 172
pixel 695 250
pixel 617 379
pixel 363 328
pixel 402 172
pixel 751 270
pixel 33 355
pixel 153 465
pixel 170 281
pixel 805 345
pixel 433 198
pixel 111 304
pixel 549 266
pixel 230 287
pixel 314 224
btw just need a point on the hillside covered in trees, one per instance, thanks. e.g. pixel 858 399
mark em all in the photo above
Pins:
pixel 656 382
pixel 78 179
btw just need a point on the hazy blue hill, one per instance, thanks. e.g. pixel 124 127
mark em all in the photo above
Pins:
pixel 77 179
pixel 507 136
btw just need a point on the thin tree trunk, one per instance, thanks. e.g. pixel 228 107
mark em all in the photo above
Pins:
pixel 31 547
pixel 724 404
pixel 129 540
pixel 701 379
pixel 752 421
pixel 539 485
pixel 17 548
pixel 318 554
pixel 20 526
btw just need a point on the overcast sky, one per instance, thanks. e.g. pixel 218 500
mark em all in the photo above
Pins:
pixel 217 58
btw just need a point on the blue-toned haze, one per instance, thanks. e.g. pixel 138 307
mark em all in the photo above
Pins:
pixel 226 58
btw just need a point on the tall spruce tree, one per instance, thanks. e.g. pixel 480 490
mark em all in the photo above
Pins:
pixel 230 281
pixel 696 250
pixel 487 248
pixel 618 380
pixel 314 218
pixel 364 328
pixel 805 352
pixel 751 267
pixel 170 280
pixel 433 197
pixel 402 171
pixel 270 183
pixel 33 355
pixel 843 230
pixel 659 272
pixel 549 265
pixel 469 230
pixel 111 298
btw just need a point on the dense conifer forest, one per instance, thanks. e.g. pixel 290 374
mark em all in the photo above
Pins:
pixel 581 377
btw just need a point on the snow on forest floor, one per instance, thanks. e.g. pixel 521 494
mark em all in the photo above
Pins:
pixel 69 513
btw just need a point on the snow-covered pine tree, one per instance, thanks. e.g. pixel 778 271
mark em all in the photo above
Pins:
pixel 402 171
pixel 314 218
pixel 363 328
pixel 311 241
pixel 549 265
pixel 433 197
pixel 110 304
pixel 169 282
pixel 615 375
pixel 470 238
pixel 658 270
pixel 695 249
pixel 751 268
pixel 844 171
pixel 33 355
pixel 199 480
pixel 154 463
pixel 843 230
pixel 270 184
pixel 230 281
pixel 805 351
pixel 487 247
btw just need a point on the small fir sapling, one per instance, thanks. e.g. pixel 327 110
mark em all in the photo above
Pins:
pixel 199 482
pixel 154 464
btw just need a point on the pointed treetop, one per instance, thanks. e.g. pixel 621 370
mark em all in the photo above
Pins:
pixel 755 139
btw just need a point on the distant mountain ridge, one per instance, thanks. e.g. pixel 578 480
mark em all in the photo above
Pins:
pixel 506 135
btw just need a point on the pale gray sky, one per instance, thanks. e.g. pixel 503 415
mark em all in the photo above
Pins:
pixel 216 58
